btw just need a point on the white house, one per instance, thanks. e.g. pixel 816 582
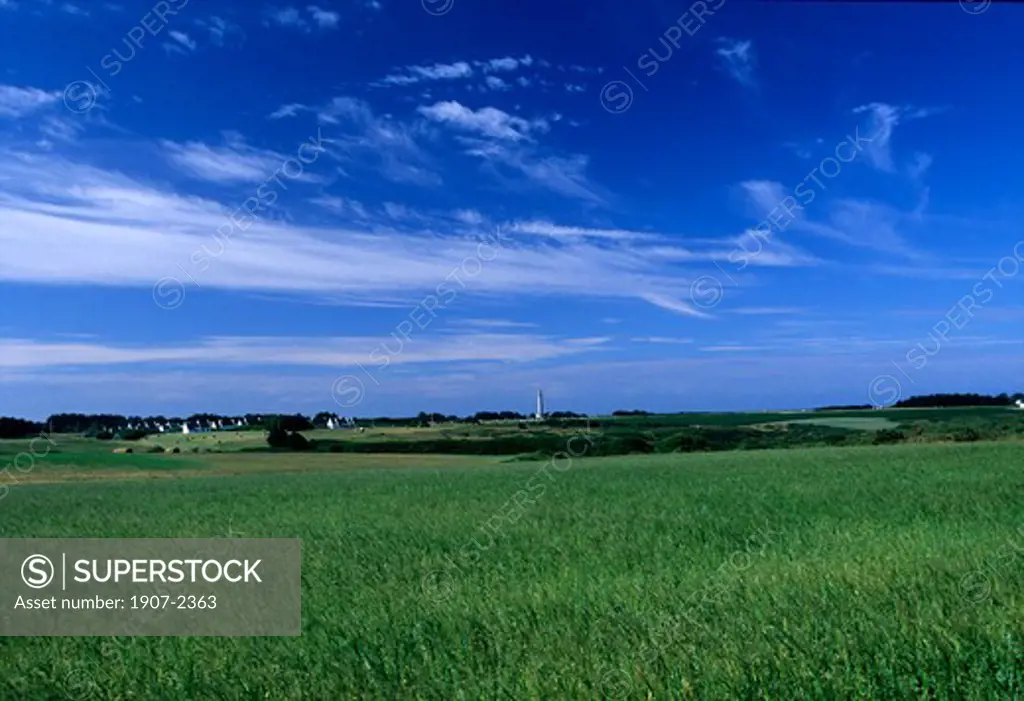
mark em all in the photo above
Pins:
pixel 1020 403
pixel 330 424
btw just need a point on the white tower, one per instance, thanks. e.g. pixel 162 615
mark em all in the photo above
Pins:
pixel 540 406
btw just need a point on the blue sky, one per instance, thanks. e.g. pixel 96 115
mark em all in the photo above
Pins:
pixel 443 206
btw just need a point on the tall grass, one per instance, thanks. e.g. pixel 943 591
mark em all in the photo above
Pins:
pixel 871 573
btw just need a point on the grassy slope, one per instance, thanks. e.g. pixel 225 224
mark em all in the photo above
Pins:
pixel 856 596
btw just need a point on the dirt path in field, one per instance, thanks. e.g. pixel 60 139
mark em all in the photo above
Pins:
pixel 246 467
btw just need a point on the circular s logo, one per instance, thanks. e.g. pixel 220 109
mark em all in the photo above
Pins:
pixel 884 390
pixel 80 96
pixel 973 7
pixel 437 7
pixel 37 571
pixel 438 586
pixel 616 97
pixel 168 293
pixel 348 391
pixel 706 291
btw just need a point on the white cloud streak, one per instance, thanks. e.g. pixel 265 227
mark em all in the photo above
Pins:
pixel 63 223
pixel 291 351
pixel 16 102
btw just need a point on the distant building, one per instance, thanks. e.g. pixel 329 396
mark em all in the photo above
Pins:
pixel 1020 403
pixel 539 415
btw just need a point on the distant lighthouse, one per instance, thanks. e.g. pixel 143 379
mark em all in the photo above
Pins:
pixel 540 406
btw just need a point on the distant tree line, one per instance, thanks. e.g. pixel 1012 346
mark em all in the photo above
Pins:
pixel 944 400
pixel 498 416
pixel 18 428
pixel 932 401
pixel 92 423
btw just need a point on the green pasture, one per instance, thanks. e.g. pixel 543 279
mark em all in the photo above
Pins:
pixel 876 572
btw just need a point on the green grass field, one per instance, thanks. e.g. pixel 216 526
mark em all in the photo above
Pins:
pixel 874 572
pixel 857 423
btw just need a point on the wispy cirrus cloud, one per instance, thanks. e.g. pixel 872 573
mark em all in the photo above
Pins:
pixel 507 145
pixel 565 175
pixel 363 139
pixel 290 110
pixel 181 43
pixel 219 29
pixel 342 205
pixel 919 166
pixel 104 228
pixel 661 340
pixel 854 222
pixel 19 353
pixel 546 228
pixel 882 120
pixel 17 102
pixel 325 19
pixel 291 17
pixel 492 324
pixel 234 162
pixel 673 304
pixel 505 64
pixel 739 59
pixel 766 311
pixel 74 10
pixel 457 70
pixel 412 75
pixel 486 121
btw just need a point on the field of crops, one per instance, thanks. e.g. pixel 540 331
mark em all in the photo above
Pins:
pixel 874 572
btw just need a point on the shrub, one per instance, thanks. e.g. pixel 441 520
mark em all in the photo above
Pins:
pixel 965 435
pixel 277 437
pixel 626 444
pixel 683 442
pixel 886 435
pixel 132 435
pixel 297 441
